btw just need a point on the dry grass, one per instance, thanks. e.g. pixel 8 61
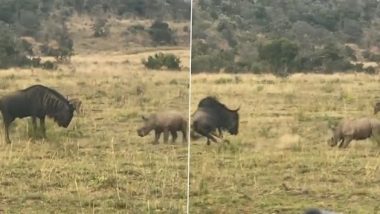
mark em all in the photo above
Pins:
pixel 98 164
pixel 280 161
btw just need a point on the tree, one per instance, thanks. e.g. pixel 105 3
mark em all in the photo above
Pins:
pixel 279 54
pixel 161 33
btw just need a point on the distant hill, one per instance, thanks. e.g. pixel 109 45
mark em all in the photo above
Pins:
pixel 285 36
pixel 30 28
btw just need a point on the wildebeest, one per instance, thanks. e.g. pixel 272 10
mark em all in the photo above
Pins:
pixel 36 101
pixel 354 129
pixel 212 115
pixel 376 108
pixel 166 122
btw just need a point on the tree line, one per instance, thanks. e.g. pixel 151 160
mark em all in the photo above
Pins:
pixel 285 36
pixel 24 23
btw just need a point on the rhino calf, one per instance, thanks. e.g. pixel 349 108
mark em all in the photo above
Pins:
pixel 166 122
pixel 354 129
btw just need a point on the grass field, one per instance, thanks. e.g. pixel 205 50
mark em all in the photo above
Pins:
pixel 98 164
pixel 280 161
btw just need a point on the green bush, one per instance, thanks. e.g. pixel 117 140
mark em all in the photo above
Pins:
pixel 159 60
pixel 101 28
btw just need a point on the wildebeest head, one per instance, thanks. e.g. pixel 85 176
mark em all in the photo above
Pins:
pixel 376 108
pixel 58 108
pixel 147 127
pixel 64 116
pixel 234 122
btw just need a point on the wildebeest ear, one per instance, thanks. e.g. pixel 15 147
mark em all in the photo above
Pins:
pixel 144 118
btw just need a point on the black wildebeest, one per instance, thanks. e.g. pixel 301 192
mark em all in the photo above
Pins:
pixel 166 122
pixel 36 101
pixel 212 115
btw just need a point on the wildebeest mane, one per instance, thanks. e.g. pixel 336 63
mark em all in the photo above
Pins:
pixel 211 102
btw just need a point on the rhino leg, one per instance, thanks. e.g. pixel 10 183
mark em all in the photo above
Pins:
pixel 166 135
pixel 184 136
pixel 346 142
pixel 174 136
pixel 157 135
pixel 339 142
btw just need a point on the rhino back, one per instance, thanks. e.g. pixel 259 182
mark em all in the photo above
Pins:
pixel 358 128
pixel 170 119
pixel 375 126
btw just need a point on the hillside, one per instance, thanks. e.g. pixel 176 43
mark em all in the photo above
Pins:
pixel 285 36
pixel 61 29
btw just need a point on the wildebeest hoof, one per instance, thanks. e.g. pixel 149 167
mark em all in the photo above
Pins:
pixel 226 141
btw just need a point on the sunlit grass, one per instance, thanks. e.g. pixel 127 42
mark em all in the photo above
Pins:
pixel 98 164
pixel 280 161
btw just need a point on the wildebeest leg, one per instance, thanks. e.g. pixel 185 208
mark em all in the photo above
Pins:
pixel 157 136
pixel 7 122
pixel 34 125
pixel 166 135
pixel 205 131
pixel 174 136
pixel 42 124
pixel 220 133
pixel 210 137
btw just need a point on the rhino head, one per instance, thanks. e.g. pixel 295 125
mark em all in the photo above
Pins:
pixel 146 128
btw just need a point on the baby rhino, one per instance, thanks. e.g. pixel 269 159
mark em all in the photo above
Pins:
pixel 354 129
pixel 166 122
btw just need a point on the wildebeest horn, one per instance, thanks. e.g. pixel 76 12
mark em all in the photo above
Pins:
pixel 237 109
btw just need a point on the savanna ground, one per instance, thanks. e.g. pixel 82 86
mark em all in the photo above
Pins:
pixel 280 161
pixel 98 164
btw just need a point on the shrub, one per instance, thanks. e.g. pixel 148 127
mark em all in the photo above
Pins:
pixel 279 54
pixel 101 28
pixel 49 65
pixel 136 28
pixel 159 60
